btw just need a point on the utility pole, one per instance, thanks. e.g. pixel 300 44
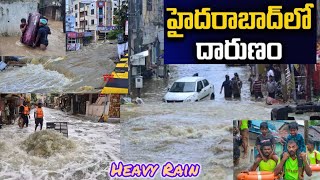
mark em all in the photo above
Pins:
pixel 63 12
pixel 137 47
pixel 306 131
pixel 284 82
pixel 130 38
pixel 308 81
pixel 294 89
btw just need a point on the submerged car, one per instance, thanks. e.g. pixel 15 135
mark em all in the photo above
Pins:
pixel 189 89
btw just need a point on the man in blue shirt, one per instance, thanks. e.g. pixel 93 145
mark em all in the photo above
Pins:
pixel 42 36
pixel 298 138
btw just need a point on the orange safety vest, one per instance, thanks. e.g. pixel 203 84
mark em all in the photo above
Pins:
pixel 39 113
pixel 26 110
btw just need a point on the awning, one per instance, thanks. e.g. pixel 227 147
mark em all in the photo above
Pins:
pixel 139 59
pixel 119 82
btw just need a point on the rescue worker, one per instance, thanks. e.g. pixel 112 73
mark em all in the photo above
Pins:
pixel 313 155
pixel 289 163
pixel 24 112
pixel 38 116
pixel 244 132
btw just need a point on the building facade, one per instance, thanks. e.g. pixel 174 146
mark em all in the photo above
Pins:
pixel 146 38
pixel 93 17
pixel 12 12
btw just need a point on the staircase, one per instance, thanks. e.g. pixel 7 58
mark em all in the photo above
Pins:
pixel 101 36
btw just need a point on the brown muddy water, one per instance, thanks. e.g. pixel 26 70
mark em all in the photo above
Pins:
pixel 11 46
pixel 199 132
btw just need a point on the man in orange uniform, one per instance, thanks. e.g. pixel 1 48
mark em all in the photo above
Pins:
pixel 38 116
pixel 24 112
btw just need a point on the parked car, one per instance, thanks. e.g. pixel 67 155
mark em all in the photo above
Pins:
pixel 189 89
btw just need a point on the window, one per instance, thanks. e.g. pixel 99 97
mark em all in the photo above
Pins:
pixel 100 21
pixel 149 5
pixel 76 7
pixel 77 24
pixel 86 22
pixel 92 11
pixel 100 11
pixel 76 15
pixel 86 13
pixel 199 86
pixel 205 82
pixel 182 87
pixel 92 22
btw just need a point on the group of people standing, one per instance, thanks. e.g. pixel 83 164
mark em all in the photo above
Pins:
pixel 232 88
pixel 270 81
pixel 24 115
pixel 24 112
pixel 295 159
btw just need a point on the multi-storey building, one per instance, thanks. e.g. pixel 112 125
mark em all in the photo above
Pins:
pixel 94 17
pixel 146 39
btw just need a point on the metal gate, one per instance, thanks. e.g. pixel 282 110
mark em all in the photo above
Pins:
pixel 61 127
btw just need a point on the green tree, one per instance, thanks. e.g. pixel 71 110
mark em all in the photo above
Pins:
pixel 34 98
pixel 120 16
pixel 315 123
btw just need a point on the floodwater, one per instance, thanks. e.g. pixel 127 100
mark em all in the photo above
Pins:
pixel 11 46
pixel 89 64
pixel 199 132
pixel 85 154
pixel 80 71
pixel 32 78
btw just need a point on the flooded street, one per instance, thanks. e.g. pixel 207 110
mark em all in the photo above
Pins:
pixel 80 71
pixel 199 132
pixel 85 154
pixel 88 65
pixel 11 46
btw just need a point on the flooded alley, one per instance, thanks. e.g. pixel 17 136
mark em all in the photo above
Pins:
pixel 199 132
pixel 85 154
pixel 11 45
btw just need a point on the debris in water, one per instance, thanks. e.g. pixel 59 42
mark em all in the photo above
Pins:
pixel 45 143
pixel 86 88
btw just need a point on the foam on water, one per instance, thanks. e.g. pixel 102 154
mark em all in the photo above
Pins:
pixel 188 132
pixel 32 78
pixel 46 143
pixel 85 154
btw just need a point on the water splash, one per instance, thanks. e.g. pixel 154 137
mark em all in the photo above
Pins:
pixel 47 143
pixel 32 78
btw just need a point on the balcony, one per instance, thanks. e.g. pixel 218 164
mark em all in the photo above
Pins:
pixel 82 18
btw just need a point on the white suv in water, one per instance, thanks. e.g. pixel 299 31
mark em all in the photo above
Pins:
pixel 189 89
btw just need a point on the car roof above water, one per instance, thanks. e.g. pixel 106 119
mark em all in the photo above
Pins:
pixel 189 79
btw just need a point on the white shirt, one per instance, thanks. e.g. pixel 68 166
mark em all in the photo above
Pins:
pixel 270 73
